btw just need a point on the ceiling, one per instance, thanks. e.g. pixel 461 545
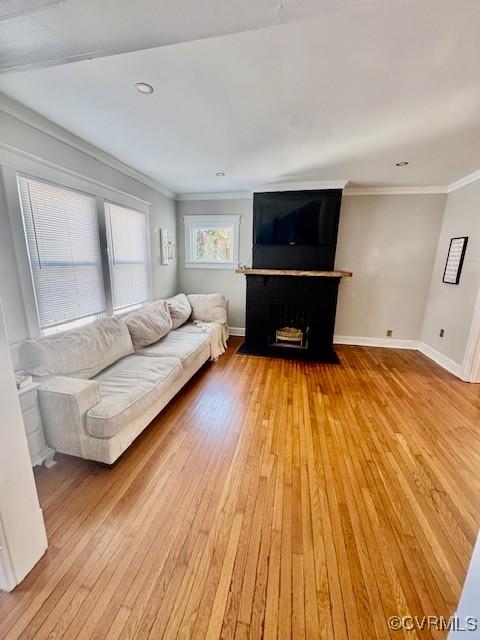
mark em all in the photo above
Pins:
pixel 39 33
pixel 342 95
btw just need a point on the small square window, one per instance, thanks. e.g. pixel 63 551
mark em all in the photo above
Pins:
pixel 211 242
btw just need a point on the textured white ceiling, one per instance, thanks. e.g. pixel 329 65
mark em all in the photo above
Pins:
pixel 343 95
pixel 36 33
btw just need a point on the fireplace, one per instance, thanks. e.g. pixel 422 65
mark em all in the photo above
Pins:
pixel 276 303
pixel 292 289
pixel 289 325
pixel 291 337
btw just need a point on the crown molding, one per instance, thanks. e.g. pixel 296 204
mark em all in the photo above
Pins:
pixel 348 191
pixel 464 182
pixel 282 186
pixel 300 186
pixel 9 156
pixel 227 195
pixel 39 122
pixel 393 191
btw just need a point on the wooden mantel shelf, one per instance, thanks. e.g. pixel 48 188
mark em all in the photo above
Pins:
pixel 295 272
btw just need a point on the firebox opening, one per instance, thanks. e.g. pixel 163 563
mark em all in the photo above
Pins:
pixel 289 326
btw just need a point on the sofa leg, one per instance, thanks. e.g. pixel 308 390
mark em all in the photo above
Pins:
pixel 111 466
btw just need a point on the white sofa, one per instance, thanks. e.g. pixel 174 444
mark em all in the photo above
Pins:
pixel 102 384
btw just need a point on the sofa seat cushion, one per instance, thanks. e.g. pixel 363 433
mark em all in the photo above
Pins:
pixel 217 335
pixel 180 344
pixel 127 389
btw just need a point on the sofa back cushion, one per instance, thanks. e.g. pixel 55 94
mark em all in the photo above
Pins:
pixel 208 307
pixel 149 324
pixel 180 309
pixel 80 353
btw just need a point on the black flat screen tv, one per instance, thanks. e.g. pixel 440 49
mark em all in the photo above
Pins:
pixel 296 229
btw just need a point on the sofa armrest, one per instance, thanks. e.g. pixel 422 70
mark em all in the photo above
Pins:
pixel 64 403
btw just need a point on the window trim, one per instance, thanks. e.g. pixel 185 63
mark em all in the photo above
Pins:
pixel 189 221
pixel 37 170
pixel 44 331
pixel 137 305
pixel 71 324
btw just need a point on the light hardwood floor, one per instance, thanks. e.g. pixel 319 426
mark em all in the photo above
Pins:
pixel 271 499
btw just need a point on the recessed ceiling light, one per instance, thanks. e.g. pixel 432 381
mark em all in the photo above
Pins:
pixel 144 87
pixel 402 164
pixel 220 174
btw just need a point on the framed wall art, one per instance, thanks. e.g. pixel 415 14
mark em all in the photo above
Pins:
pixel 455 258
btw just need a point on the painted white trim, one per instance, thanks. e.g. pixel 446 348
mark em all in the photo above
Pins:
pixel 348 191
pixel 189 221
pixel 390 343
pixel 39 122
pixel 9 177
pixel 191 264
pixel 8 580
pixel 468 605
pixel 300 186
pixel 393 191
pixel 471 360
pixel 446 363
pixel 236 331
pixel 464 182
pixel 228 195
pixel 26 162
pixel 360 341
pixel 340 184
pixel 31 168
pixel 384 343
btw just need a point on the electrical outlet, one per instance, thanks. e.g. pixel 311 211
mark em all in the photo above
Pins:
pixel 389 333
pixel 442 333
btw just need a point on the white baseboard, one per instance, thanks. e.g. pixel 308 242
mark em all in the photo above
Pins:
pixel 236 331
pixel 442 360
pixel 385 343
pixel 389 343
pixel 392 343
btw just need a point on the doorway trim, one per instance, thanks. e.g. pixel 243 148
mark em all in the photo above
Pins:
pixel 471 361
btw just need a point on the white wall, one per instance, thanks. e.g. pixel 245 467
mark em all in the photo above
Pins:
pixel 451 307
pixel 10 290
pixel 389 243
pixel 23 539
pixel 225 281
pixel 23 145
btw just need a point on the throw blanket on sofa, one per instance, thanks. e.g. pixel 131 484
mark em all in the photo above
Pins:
pixel 217 333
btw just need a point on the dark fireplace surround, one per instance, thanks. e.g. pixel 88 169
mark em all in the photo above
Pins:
pixel 292 292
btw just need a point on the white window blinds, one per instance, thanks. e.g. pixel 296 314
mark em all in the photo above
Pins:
pixel 61 228
pixel 127 247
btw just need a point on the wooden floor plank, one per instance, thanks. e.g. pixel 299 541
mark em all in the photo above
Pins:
pixel 270 499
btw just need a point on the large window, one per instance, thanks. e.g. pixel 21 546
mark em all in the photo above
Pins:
pixel 211 242
pixel 61 228
pixel 70 267
pixel 127 246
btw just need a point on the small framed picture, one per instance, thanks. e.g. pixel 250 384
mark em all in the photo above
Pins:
pixel 163 246
pixel 455 258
